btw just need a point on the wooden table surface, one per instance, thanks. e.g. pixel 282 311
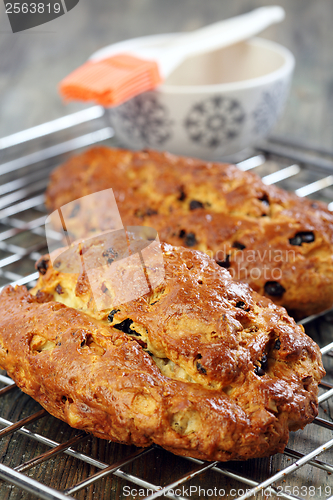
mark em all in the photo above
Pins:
pixel 31 65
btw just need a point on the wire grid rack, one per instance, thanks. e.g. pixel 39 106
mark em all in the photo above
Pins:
pixel 38 449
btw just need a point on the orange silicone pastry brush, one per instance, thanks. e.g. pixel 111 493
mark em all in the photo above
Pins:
pixel 113 80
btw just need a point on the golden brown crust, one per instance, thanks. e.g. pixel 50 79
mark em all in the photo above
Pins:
pixel 251 228
pixel 208 368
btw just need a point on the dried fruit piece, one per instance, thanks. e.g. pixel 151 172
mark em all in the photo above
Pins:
pixel 274 289
pixel 302 237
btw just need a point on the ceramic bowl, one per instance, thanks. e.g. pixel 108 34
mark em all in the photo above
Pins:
pixel 212 105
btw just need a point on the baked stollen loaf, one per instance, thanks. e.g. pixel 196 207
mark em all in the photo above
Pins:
pixel 201 365
pixel 278 243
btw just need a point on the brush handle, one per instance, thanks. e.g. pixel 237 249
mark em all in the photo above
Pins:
pixel 212 37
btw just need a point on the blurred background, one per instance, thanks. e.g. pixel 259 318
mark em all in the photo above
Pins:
pixel 34 61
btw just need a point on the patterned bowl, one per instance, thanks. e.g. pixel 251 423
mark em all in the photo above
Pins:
pixel 213 105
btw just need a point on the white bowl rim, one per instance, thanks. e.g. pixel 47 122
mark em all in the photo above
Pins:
pixel 285 69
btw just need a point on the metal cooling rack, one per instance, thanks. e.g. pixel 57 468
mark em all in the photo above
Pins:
pixel 92 468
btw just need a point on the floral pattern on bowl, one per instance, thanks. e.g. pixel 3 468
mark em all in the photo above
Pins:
pixel 269 107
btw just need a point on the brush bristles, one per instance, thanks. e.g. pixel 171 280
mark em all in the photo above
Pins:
pixel 111 81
